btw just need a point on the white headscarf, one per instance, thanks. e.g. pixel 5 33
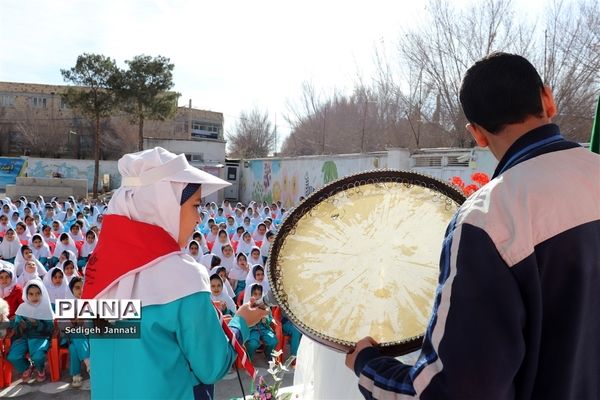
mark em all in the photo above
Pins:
pixel 43 251
pixel 8 267
pixel 236 272
pixel 40 311
pixel 10 249
pixel 225 298
pixel 251 280
pixel 255 261
pixel 60 247
pixel 20 264
pixel 206 260
pixel 244 247
pixel 151 188
pixel 26 277
pixel 87 248
pixel 198 257
pixel 226 285
pixel 217 249
pixel 55 292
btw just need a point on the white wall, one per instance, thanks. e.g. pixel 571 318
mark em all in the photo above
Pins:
pixel 73 169
pixel 213 151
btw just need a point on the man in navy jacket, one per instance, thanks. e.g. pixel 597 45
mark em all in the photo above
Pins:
pixel 517 311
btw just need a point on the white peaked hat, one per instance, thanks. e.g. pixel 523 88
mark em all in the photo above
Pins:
pixel 155 165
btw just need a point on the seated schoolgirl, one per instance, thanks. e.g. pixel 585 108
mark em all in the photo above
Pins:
pixel 56 285
pixel 11 291
pixel 261 331
pixel 193 249
pixel 4 225
pixel 40 249
pixel 224 301
pixel 199 237
pixel 266 246
pixel 9 248
pixel 22 233
pixel 31 225
pixel 222 272
pixel 30 271
pixel 75 233
pixel 26 254
pixel 220 243
pixel 255 257
pixel 65 243
pixel 247 243
pixel 69 270
pixel 210 261
pixel 33 327
pixel 239 273
pixel 79 345
pixel 256 275
pixel 228 258
pixel 57 228
pixel 91 240
pixel 212 236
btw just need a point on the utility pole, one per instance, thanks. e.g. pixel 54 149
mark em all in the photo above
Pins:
pixel 324 119
pixel 362 141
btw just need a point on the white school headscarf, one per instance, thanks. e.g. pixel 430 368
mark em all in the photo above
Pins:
pixel 87 248
pixel 8 267
pixel 56 292
pixel 43 251
pixel 66 277
pixel 61 227
pixel 40 311
pixel 224 297
pixel 226 285
pixel 20 263
pixel 255 261
pixel 206 261
pixel 60 247
pixel 244 247
pixel 198 257
pixel 251 280
pixel 151 188
pixel 217 249
pixel 26 277
pixel 236 272
pixel 10 249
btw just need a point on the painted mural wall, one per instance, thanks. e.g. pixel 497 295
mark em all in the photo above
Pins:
pixel 73 169
pixel 287 179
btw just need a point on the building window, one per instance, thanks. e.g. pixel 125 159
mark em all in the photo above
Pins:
pixel 231 173
pixel 39 102
pixel 205 129
pixel 63 104
pixel 7 100
pixel 195 158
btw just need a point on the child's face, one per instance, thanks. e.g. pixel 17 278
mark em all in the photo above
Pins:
pixel 3 220
pixel 37 243
pixel 247 238
pixel 47 230
pixel 223 237
pixel 271 239
pixel 10 235
pixel 4 279
pixel 257 294
pixel 69 270
pixel 259 276
pixel 77 288
pixel 57 279
pixel 65 241
pixel 75 229
pixel 55 226
pixel 223 275
pixel 255 253
pixel 227 251
pixel 216 287
pixel 242 262
pixel 27 254
pixel 89 239
pixel 62 257
pixel 30 267
pixel 20 229
pixel 34 294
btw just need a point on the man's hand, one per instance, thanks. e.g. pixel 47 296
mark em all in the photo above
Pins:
pixel 361 344
pixel 252 315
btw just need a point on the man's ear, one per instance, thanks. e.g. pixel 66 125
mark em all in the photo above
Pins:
pixel 548 103
pixel 477 133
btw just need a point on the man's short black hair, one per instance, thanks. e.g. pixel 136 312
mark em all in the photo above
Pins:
pixel 499 90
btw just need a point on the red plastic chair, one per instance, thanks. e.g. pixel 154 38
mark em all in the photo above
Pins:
pixel 240 299
pixel 281 338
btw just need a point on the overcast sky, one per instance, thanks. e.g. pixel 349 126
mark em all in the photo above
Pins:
pixel 229 55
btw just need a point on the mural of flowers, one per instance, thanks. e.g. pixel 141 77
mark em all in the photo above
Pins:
pixel 276 191
pixel 267 176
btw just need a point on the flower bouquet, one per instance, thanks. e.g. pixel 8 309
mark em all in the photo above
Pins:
pixel 264 391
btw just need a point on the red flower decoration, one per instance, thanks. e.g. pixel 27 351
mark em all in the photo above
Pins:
pixel 457 181
pixel 469 190
pixel 480 178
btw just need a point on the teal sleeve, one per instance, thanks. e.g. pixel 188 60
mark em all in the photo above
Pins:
pixel 202 339
pixel 240 323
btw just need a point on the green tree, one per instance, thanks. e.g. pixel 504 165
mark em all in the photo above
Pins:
pixel 144 90
pixel 94 97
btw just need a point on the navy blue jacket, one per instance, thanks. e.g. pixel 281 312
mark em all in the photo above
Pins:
pixel 517 311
